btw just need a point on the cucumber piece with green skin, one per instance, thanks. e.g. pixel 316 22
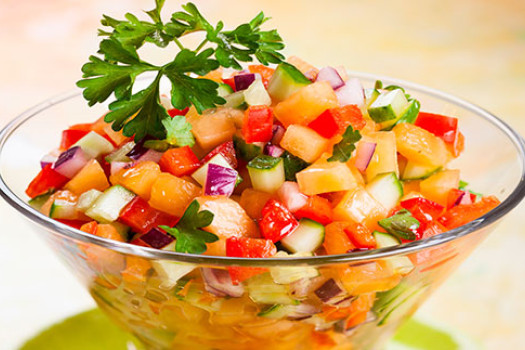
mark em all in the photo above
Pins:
pixel 256 94
pixel 307 237
pixel 292 165
pixel 86 199
pixel 201 174
pixel 395 303
pixel 290 274
pixel 397 264
pixel 246 151
pixel 263 290
pixel 38 201
pixel 285 81
pixel 108 206
pixel 224 90
pixel 386 189
pixel 388 106
pixel 414 171
pixel 235 100
pixel 94 145
pixel 63 209
pixel 122 229
pixel 370 96
pixel 266 173
pixel 120 154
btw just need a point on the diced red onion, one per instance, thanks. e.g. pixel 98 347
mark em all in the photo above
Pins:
pixel 329 291
pixel 220 180
pixel 351 93
pixel 70 162
pixel 303 311
pixel 150 156
pixel 138 150
pixel 342 72
pixel 219 283
pixel 243 81
pixel 47 159
pixel 291 197
pixel 364 154
pixel 311 74
pixel 278 133
pixel 330 75
pixel 156 238
pixel 464 199
pixel 274 151
pixel 117 166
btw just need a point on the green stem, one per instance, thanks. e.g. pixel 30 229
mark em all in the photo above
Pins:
pixel 178 43
pixel 201 45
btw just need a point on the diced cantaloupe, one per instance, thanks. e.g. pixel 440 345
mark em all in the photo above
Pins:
pixel 371 277
pixel 420 146
pixel 253 201
pixel 171 194
pixel 384 159
pixel 138 179
pixel 324 177
pixel 117 137
pixel 302 65
pixel 212 129
pixel 90 177
pixel 306 104
pixel 437 186
pixel 304 143
pixel 359 206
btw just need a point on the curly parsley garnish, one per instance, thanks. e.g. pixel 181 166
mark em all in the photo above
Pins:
pixel 343 150
pixel 118 64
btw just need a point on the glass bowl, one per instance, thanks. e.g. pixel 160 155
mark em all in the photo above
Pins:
pixel 170 307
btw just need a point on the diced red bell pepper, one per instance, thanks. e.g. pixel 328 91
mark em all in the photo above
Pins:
pixel 179 161
pixel 46 180
pixel 243 247
pixel 348 115
pixel 444 127
pixel 318 209
pixel 227 150
pixel 257 125
pixel 229 81
pixel 72 223
pixel 141 217
pixel 174 111
pixel 465 213
pixel 277 221
pixel 82 127
pixel 360 236
pixel 70 137
pixel 424 210
pixel 325 124
pixel 265 72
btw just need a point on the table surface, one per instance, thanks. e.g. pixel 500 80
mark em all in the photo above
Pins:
pixel 473 49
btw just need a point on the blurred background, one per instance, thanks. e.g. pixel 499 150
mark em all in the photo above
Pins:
pixel 474 49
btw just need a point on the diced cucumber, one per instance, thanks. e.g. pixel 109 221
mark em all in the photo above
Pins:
pixel 108 206
pixel 292 165
pixel 120 154
pixel 224 90
pixel 246 151
pixel 266 173
pixel 63 209
pixel 40 200
pixel 414 171
pixel 285 81
pixel 256 94
pixel 411 113
pixel 122 229
pixel 94 145
pixel 370 96
pixel 288 311
pixel 171 271
pixel 386 189
pixel 388 106
pixel 290 274
pixel 201 174
pixel 235 100
pixel 263 290
pixel 86 199
pixel 307 237
pixel 397 264
pixel 395 303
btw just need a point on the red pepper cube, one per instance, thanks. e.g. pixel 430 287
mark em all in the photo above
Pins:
pixel 179 161
pixel 424 210
pixel 257 124
pixel 141 217
pixel 229 81
pixel 243 247
pixel 325 124
pixel 174 111
pixel 277 221
pixel 46 180
pixel 70 137
pixel 444 127
pixel 463 214
pixel 227 150
pixel 318 209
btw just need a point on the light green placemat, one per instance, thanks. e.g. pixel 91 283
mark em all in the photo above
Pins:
pixel 91 330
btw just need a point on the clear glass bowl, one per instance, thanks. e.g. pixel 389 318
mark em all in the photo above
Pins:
pixel 165 314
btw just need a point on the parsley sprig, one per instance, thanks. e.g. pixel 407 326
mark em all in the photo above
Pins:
pixel 343 150
pixel 188 234
pixel 115 69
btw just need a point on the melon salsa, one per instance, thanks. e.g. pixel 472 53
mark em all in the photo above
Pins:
pixel 298 162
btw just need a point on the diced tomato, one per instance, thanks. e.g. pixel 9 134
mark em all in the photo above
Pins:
pixel 348 115
pixel 46 180
pixel 424 210
pixel 325 124
pixel 444 127
pixel 360 236
pixel 70 137
pixel 141 217
pixel 257 125
pixel 265 72
pixel 318 209
pixel 243 247
pixel 277 221
pixel 72 223
pixel 230 81
pixel 227 150
pixel 174 111
pixel 465 213
pixel 179 161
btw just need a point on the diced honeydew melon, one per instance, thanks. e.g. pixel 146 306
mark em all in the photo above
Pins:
pixel 87 199
pixel 415 171
pixel 171 271
pixel 384 159
pixel 266 173
pixel 386 189
pixel 107 207
pixel 307 237
pixel 256 94
pixel 285 81
pixel 120 154
pixel 201 174
pixel 94 145
pixel 263 290
pixel 398 264
pixel 290 274
pixel 389 105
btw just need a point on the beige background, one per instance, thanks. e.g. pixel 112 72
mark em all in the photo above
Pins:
pixel 472 48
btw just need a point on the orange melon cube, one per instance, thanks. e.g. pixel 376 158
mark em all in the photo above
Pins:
pixel 437 186
pixel 367 278
pixel 303 66
pixel 212 129
pixel 304 143
pixel 171 194
pixel 252 201
pixel 117 137
pixel 420 146
pixel 138 179
pixel 305 105
pixel 324 177
pixel 90 177
pixel 384 159
pixel 359 206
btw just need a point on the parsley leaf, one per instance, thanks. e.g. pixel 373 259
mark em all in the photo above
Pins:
pixel 463 185
pixel 178 131
pixel 343 150
pixel 402 225
pixel 188 234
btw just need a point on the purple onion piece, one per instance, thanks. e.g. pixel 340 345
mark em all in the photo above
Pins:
pixel 278 133
pixel 150 156
pixel 117 166
pixel 70 162
pixel 47 159
pixel 303 311
pixel 156 238
pixel 138 150
pixel 220 181
pixel 329 291
pixel 351 93
pixel 243 81
pixel 219 283
pixel 274 151
pixel 330 75
pixel 364 154
pixel 464 198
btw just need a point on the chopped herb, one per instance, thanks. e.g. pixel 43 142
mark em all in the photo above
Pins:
pixel 402 225
pixel 343 150
pixel 292 165
pixel 463 185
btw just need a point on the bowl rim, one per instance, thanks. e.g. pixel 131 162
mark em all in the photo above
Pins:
pixel 514 198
